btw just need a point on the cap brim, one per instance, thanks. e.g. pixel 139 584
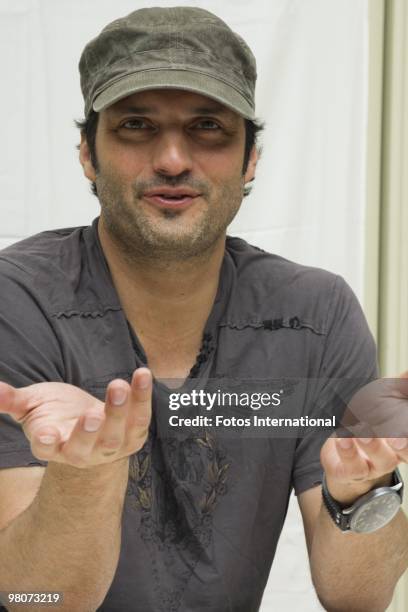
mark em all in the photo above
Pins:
pixel 174 79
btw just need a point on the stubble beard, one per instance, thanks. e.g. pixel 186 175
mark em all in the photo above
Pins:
pixel 140 237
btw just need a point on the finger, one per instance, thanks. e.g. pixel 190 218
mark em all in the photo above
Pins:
pixel 381 404
pixel 400 447
pixel 16 402
pixel 141 407
pixel 351 465
pixel 77 450
pixel 112 434
pixel 45 443
pixel 382 458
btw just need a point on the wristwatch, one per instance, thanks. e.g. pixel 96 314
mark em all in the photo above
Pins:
pixel 369 512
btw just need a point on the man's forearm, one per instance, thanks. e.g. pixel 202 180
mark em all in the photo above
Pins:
pixel 68 539
pixel 358 571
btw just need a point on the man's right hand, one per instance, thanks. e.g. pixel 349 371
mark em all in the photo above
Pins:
pixel 68 425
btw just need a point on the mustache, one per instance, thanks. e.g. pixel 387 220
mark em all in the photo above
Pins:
pixel 180 180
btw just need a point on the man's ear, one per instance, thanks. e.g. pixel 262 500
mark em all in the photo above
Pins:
pixel 85 159
pixel 253 160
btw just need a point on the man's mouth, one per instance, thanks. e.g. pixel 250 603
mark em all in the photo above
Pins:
pixel 175 198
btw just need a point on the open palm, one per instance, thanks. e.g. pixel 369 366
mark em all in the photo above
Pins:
pixel 68 425
pixel 53 406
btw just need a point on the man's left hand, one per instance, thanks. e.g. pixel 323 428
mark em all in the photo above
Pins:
pixel 354 466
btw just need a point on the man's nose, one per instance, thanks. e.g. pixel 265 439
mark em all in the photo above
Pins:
pixel 172 155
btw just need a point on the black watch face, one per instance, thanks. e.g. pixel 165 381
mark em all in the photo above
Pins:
pixel 375 513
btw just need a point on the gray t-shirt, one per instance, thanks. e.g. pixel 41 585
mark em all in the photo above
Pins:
pixel 204 508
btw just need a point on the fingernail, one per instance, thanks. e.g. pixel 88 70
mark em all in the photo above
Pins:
pixel 399 443
pixel 365 440
pixel 144 380
pixel 118 396
pixel 92 424
pixel 345 443
pixel 47 439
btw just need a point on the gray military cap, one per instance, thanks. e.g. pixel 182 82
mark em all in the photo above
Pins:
pixel 179 47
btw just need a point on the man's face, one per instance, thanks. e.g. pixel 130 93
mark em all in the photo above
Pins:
pixel 169 176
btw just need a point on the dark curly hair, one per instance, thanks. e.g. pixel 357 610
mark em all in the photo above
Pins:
pixel 89 126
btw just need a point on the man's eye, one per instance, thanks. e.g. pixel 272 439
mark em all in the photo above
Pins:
pixel 135 124
pixel 207 124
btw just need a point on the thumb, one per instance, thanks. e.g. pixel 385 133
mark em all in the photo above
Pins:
pixel 16 402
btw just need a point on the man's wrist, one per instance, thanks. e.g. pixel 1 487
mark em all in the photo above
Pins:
pixel 347 493
pixel 99 479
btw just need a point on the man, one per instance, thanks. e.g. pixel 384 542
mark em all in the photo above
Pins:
pixel 101 502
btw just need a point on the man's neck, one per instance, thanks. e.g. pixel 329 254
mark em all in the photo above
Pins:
pixel 164 302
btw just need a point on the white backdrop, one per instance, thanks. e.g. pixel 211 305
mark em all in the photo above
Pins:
pixel 308 199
